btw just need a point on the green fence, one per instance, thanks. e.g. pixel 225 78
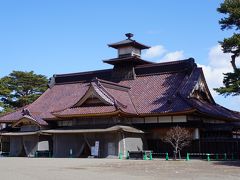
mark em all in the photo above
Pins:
pixel 214 156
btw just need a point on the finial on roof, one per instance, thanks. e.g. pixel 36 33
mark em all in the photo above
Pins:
pixel 95 79
pixel 129 35
pixel 26 112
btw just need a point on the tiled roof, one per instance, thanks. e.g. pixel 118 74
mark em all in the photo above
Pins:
pixel 18 115
pixel 115 96
pixel 86 110
pixel 157 89
pixel 214 110
pixel 152 94
pixel 127 42
pixel 10 117
pixel 34 118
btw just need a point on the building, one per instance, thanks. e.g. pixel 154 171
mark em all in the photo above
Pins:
pixel 127 108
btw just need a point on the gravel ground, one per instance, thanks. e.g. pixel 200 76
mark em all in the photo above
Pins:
pixel 102 169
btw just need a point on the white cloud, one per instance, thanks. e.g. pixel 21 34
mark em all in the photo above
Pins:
pixel 214 76
pixel 217 58
pixel 155 51
pixel 160 52
pixel 219 63
pixel 173 56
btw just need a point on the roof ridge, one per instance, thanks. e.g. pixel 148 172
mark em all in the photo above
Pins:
pixel 81 73
pixel 103 90
pixel 206 86
pixel 186 82
pixel 115 101
pixel 18 109
pixel 112 83
pixel 96 83
pixel 200 74
pixel 132 103
pixel 139 66
pixel 189 60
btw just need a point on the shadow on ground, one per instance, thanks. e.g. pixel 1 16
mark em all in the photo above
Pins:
pixel 228 163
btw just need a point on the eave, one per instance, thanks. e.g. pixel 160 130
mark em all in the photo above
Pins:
pixel 190 111
pixel 118 112
pixel 217 117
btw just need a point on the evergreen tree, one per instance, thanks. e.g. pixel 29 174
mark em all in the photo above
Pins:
pixel 20 88
pixel 231 81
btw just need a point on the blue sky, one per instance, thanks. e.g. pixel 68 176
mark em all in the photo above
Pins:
pixel 62 36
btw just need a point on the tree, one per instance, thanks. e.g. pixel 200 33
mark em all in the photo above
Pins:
pixel 20 88
pixel 178 138
pixel 231 81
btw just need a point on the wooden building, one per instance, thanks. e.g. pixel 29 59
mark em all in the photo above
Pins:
pixel 126 108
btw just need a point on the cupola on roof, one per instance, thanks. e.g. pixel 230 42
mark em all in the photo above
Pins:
pixel 129 56
pixel 128 47
pixel 128 42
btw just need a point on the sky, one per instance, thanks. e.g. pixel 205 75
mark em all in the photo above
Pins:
pixel 65 36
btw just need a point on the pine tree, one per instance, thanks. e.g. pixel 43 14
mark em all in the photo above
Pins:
pixel 20 88
pixel 231 81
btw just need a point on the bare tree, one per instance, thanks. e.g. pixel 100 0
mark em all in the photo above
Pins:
pixel 178 138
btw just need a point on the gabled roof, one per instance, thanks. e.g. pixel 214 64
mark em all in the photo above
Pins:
pixel 114 97
pixel 196 83
pixel 97 89
pixel 33 120
pixel 11 117
pixel 158 89
pixel 21 115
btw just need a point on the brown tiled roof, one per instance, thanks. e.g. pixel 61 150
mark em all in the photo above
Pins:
pixel 214 110
pixel 153 94
pixel 78 111
pixel 118 100
pixel 18 115
pixel 158 89
pixel 34 118
pixel 11 117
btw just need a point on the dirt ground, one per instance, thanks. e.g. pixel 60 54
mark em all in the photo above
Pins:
pixel 102 169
